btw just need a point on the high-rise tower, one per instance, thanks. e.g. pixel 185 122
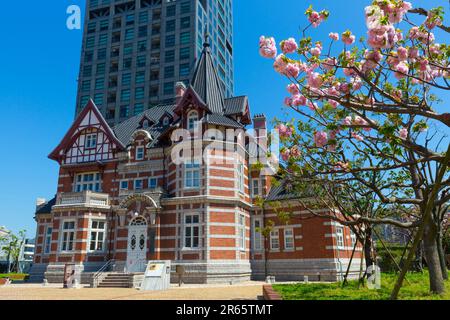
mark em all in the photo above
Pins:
pixel 134 51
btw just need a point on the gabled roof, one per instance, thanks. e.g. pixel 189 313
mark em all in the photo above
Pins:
pixel 89 110
pixel 207 84
pixel 125 130
pixel 235 105
pixel 220 120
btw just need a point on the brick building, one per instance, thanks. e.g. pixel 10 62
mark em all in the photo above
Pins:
pixel 123 196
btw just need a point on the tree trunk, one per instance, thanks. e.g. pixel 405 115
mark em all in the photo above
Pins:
pixel 368 245
pixel 432 256
pixel 442 256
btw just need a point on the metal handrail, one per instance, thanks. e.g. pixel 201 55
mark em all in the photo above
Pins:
pixel 101 271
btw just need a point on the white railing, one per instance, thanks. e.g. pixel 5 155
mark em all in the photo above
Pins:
pixel 85 198
pixel 100 275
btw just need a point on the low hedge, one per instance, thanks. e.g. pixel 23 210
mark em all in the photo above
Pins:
pixel 15 276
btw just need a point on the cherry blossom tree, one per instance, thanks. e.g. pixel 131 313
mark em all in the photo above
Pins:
pixel 371 108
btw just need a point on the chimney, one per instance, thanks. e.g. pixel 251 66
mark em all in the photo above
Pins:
pixel 260 122
pixel 40 202
pixel 180 89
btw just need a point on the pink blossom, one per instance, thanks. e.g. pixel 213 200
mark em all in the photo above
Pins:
pixel 298 100
pixel 316 51
pixel 320 139
pixel 284 131
pixel 433 20
pixel 402 70
pixel 315 80
pixel 347 121
pixel 360 121
pixel 289 46
pixel 334 104
pixel 342 165
pixel 295 152
pixel 285 154
pixel 383 37
pixel 316 18
pixel 348 38
pixel 267 47
pixel 293 88
pixel 288 101
pixel 334 36
pixel 329 63
pixel 280 65
pixel 357 137
pixel 292 70
pixel 402 53
pixel 403 133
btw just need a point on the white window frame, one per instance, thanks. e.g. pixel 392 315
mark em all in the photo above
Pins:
pixel 242 234
pixel 291 237
pixel 90 141
pixel 191 170
pixel 191 226
pixel 255 187
pixel 121 184
pixel 65 242
pixel 240 177
pixel 275 238
pixel 155 180
pixel 257 235
pixel 353 238
pixel 135 184
pixel 340 237
pixel 192 120
pixel 94 185
pixel 48 240
pixel 140 153
pixel 97 231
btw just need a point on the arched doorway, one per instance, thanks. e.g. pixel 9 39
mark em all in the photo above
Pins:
pixel 137 245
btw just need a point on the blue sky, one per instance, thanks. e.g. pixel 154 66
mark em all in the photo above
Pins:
pixel 39 65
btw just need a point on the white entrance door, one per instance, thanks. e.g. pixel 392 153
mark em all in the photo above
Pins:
pixel 137 245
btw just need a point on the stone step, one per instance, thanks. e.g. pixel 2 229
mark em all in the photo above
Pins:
pixel 107 285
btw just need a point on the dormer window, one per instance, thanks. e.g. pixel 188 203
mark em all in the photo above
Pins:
pixel 166 121
pixel 140 153
pixel 145 124
pixel 91 141
pixel 192 120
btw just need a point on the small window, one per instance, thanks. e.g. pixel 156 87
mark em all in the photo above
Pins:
pixel 242 233
pixel 91 141
pixel 240 172
pixel 257 236
pixel 274 240
pixel 192 120
pixel 192 175
pixel 68 236
pixel 48 240
pixel 123 185
pixel 88 182
pixel 138 184
pixel 152 183
pixel 97 241
pixel 353 238
pixel 255 185
pixel 191 231
pixel 166 121
pixel 289 243
pixel 140 153
pixel 340 237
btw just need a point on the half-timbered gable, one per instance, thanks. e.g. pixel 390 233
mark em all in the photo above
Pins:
pixel 90 139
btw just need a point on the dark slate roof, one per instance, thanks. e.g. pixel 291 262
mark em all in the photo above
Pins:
pixel 124 131
pixel 207 84
pixel 235 105
pixel 281 192
pixel 46 207
pixel 220 120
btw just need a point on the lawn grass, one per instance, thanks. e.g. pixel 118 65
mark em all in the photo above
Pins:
pixel 418 289
pixel 14 276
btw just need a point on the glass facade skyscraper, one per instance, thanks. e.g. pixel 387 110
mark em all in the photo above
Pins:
pixel 134 52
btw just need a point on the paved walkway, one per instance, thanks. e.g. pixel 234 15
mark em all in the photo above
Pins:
pixel 245 291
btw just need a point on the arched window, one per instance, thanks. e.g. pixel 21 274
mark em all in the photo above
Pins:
pixel 138 221
pixel 192 120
